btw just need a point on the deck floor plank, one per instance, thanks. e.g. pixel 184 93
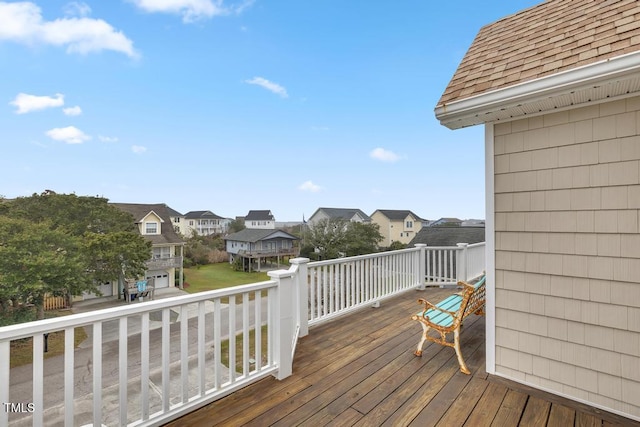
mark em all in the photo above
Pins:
pixel 536 413
pixel 343 380
pixel 587 420
pixel 440 404
pixel 359 370
pixel 433 354
pixel 460 409
pixel 561 415
pixel 402 405
pixel 487 407
pixel 511 409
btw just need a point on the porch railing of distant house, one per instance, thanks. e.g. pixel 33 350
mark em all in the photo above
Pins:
pixel 164 262
pixel 171 356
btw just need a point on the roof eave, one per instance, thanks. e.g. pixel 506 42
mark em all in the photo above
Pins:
pixel 539 95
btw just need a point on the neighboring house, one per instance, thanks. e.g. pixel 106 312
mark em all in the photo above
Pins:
pixel 256 244
pixel 177 219
pixel 396 225
pixel 426 223
pixel 557 87
pixel 354 215
pixel 155 225
pixel 449 236
pixel 446 222
pixel 260 220
pixel 203 223
pixel 473 223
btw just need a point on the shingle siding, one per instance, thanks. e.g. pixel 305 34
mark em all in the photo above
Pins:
pixel 567 199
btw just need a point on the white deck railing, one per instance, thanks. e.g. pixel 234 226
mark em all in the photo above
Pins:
pixel 339 286
pixel 149 363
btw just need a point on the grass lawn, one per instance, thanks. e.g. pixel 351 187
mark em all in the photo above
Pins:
pixel 240 349
pixel 218 276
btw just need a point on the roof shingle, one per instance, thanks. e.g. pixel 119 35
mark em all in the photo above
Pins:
pixel 554 36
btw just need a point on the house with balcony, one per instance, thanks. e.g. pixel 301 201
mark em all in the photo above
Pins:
pixel 255 246
pixel 347 214
pixel 557 89
pixel 154 222
pixel 204 223
pixel 260 219
pixel 396 225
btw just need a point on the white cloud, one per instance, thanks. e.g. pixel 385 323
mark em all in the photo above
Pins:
pixel 384 155
pixel 27 103
pixel 309 186
pixel 138 149
pixel 107 138
pixel 70 135
pixel 270 86
pixel 75 8
pixel 22 22
pixel 192 10
pixel 72 111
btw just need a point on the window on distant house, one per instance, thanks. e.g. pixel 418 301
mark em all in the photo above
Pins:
pixel 176 219
pixel 409 224
pixel 190 222
pixel 150 228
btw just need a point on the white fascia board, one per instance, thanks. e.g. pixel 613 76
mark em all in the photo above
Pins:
pixel 618 67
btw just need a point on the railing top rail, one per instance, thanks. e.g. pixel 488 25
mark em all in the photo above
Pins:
pixel 360 257
pixel 28 329
pixel 442 248
pixel 475 245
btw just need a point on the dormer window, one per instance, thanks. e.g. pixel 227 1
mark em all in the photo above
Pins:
pixel 150 228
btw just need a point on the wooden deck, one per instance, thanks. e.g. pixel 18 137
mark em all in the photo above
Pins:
pixel 360 371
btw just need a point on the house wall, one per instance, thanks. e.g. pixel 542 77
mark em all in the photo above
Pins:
pixel 396 231
pixel 151 218
pixel 567 253
pixel 385 227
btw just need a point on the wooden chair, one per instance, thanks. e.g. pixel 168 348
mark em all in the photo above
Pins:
pixel 447 316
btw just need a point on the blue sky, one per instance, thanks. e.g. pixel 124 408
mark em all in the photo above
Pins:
pixel 233 106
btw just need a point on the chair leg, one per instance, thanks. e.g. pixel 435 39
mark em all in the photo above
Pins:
pixel 456 341
pixel 423 338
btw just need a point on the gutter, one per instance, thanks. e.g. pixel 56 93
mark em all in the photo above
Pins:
pixel 454 114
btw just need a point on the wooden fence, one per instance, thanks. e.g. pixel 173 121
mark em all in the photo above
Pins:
pixel 55 303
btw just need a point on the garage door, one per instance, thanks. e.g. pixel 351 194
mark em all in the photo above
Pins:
pixel 105 288
pixel 160 278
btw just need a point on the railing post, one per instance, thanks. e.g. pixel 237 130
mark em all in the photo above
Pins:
pixel 422 265
pixel 302 291
pixel 5 347
pixel 283 322
pixel 461 262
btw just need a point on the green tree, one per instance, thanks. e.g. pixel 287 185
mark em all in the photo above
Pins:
pixel 201 250
pixel 335 237
pixel 396 245
pixel 236 225
pixel 36 260
pixel 362 238
pixel 328 236
pixel 88 242
pixel 114 255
